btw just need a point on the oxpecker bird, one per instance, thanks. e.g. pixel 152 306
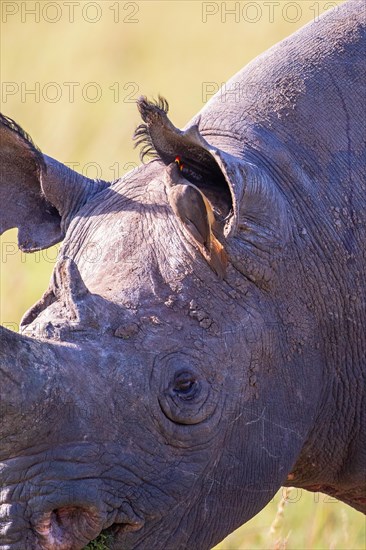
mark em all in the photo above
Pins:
pixel 195 211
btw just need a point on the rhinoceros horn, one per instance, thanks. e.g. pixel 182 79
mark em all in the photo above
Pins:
pixel 26 371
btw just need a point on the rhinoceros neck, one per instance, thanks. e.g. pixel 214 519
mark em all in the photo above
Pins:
pixel 300 107
pixel 307 91
pixel 305 78
pixel 299 112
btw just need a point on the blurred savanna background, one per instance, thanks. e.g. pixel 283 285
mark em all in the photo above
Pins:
pixel 70 75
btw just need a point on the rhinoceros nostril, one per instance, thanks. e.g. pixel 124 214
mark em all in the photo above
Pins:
pixel 68 527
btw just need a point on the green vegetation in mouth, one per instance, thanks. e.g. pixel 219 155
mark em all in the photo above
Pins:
pixel 100 543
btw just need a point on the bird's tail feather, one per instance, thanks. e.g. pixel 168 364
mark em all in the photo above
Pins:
pixel 218 257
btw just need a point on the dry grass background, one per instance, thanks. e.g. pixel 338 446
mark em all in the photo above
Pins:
pixel 134 48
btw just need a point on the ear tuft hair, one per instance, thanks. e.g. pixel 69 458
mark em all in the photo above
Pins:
pixel 151 112
pixel 142 137
pixel 38 195
pixel 26 139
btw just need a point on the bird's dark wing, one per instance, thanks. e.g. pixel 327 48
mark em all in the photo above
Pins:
pixel 193 208
pixel 189 205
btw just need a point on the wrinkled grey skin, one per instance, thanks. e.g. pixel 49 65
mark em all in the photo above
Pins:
pixel 96 432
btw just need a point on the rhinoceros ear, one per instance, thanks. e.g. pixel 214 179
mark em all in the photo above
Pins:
pixel 217 174
pixel 38 195
pixel 243 195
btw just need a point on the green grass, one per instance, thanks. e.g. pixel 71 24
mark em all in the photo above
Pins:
pixel 299 520
pixel 100 543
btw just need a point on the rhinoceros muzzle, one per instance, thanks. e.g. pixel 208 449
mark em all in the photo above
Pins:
pixel 67 527
pixel 54 495
pixel 63 523
pixel 71 526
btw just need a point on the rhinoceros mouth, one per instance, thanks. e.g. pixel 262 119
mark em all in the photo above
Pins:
pixel 67 527
pixel 72 527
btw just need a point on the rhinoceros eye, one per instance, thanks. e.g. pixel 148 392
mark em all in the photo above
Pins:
pixel 185 394
pixel 186 386
pixel 183 398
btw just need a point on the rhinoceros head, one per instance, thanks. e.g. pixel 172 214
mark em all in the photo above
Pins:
pixel 146 395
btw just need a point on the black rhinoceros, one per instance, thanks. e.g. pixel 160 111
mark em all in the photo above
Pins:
pixel 202 341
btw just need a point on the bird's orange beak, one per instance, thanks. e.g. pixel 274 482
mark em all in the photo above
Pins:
pixel 179 163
